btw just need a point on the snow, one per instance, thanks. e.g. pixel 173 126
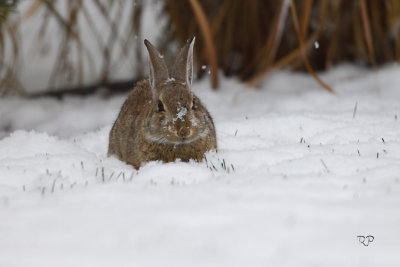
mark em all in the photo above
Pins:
pixel 299 174
pixel 182 111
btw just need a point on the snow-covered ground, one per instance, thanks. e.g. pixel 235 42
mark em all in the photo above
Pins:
pixel 299 174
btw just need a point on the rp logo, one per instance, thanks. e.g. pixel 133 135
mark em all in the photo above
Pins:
pixel 365 240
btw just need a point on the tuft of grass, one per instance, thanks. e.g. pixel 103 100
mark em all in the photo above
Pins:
pixel 222 165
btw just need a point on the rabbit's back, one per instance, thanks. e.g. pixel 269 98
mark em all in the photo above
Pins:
pixel 126 129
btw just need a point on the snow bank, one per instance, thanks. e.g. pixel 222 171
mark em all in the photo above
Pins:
pixel 299 174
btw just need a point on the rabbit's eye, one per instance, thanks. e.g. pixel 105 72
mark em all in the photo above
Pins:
pixel 160 106
pixel 194 106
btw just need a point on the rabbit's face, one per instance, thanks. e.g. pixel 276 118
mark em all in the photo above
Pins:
pixel 176 117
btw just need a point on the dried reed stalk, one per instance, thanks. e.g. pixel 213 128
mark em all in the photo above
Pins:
pixel 303 50
pixel 306 18
pixel 208 39
pixel 367 31
pixel 275 36
pixel 286 60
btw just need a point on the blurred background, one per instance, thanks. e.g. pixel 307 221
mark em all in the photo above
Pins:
pixel 55 46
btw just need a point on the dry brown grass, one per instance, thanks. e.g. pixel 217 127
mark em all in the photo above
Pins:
pixel 66 69
pixel 254 37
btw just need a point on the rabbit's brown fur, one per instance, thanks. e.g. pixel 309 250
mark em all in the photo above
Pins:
pixel 162 119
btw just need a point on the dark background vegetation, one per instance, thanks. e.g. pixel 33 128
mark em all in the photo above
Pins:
pixel 246 39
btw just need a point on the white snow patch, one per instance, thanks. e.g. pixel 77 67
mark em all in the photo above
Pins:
pixel 170 79
pixel 193 121
pixel 182 111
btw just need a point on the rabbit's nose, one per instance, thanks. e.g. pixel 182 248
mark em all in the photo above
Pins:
pixel 184 131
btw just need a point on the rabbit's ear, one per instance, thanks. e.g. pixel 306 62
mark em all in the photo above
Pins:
pixel 158 68
pixel 183 66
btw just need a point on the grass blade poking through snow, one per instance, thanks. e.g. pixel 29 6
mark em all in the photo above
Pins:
pixel 221 166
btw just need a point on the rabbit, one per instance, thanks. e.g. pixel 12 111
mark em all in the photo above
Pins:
pixel 162 119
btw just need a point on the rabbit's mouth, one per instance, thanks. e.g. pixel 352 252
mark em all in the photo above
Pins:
pixel 177 141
